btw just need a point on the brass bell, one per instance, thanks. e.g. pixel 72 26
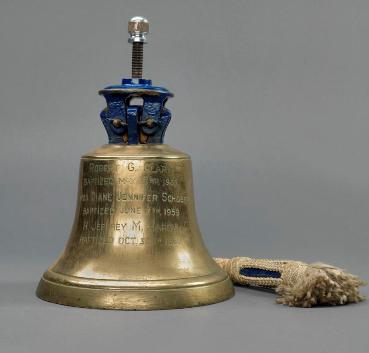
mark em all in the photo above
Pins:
pixel 135 243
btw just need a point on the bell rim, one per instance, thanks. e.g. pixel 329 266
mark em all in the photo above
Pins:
pixel 129 283
pixel 137 298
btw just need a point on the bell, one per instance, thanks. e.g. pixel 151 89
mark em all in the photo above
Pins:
pixel 135 242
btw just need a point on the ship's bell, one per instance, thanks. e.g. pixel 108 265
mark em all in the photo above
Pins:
pixel 135 243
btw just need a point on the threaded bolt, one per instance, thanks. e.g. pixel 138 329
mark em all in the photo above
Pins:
pixel 138 27
pixel 137 59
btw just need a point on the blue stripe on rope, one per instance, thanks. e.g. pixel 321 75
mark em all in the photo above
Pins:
pixel 258 272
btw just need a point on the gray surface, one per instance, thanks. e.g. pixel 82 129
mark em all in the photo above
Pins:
pixel 272 104
pixel 250 322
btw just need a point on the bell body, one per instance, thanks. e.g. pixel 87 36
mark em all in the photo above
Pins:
pixel 135 243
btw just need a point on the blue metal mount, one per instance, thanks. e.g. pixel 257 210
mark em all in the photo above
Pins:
pixel 132 124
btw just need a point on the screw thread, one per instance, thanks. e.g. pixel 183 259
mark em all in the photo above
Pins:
pixel 137 59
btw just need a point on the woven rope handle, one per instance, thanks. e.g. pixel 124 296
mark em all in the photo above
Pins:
pixel 259 272
pixel 296 283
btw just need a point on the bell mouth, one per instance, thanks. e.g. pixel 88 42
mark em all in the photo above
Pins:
pixel 182 293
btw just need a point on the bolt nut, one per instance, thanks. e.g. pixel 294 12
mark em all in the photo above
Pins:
pixel 138 27
pixel 138 24
pixel 150 122
pixel 117 123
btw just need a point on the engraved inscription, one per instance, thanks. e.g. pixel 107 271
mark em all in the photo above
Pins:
pixel 133 203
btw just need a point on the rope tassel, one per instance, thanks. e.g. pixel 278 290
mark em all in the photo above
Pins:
pixel 296 283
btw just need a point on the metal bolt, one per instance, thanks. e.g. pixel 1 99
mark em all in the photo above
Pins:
pixel 138 28
pixel 117 122
pixel 150 122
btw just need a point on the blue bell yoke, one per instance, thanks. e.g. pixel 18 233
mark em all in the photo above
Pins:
pixel 132 124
